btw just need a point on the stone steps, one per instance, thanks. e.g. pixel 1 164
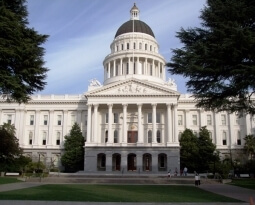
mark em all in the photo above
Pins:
pixel 96 179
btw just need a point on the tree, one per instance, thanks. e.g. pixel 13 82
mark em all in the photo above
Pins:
pixel 189 150
pixel 219 58
pixel 207 150
pixel 249 146
pixel 9 147
pixel 73 158
pixel 21 55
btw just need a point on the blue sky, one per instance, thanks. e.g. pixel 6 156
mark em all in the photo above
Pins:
pixel 81 32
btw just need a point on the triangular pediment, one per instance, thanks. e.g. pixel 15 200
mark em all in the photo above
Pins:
pixel 132 87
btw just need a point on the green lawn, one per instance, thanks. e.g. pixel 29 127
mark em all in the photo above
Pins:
pixel 7 180
pixel 246 183
pixel 115 193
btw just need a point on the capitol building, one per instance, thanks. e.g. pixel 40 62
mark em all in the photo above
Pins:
pixel 132 121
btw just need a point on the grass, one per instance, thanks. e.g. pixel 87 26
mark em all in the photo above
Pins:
pixel 245 183
pixel 115 193
pixel 8 180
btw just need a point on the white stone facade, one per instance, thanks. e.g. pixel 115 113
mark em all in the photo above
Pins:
pixel 131 123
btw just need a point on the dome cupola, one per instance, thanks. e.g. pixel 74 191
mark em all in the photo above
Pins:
pixel 134 53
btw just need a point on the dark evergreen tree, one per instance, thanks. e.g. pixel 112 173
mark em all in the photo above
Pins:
pixel 9 147
pixel 207 149
pixel 218 59
pixel 73 157
pixel 189 150
pixel 21 55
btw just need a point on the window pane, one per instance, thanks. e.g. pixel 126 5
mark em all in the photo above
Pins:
pixel 149 117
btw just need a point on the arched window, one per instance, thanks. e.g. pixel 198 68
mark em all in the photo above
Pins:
pixel 127 46
pixel 158 136
pixel 150 47
pixel 149 136
pixel 146 47
pixel 115 136
pixel 106 136
pixel 140 46
pixel 134 45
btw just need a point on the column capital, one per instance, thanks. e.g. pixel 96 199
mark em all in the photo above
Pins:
pixel 139 104
pixel 124 104
pixel 153 104
pixel 96 105
pixel 89 105
pixel 109 105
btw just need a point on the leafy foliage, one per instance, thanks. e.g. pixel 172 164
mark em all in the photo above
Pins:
pixel 21 55
pixel 73 158
pixel 189 150
pixel 219 58
pixel 249 145
pixel 9 147
pixel 197 153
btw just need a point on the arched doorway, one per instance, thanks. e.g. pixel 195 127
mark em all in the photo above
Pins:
pixel 162 162
pixel 147 162
pixel 116 162
pixel 101 162
pixel 131 162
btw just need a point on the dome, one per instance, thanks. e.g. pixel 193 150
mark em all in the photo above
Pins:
pixel 139 26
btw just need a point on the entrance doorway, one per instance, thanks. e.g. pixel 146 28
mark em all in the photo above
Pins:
pixel 131 162
pixel 116 161
pixel 132 136
pixel 147 162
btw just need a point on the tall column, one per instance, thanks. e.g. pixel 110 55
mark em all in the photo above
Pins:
pixel 95 139
pixel 187 119
pixel 110 136
pixel 146 67
pixel 129 67
pixel 64 125
pixel 140 136
pixel 114 67
pixel 232 134
pixel 50 124
pixel 108 70
pixel 138 68
pixel 37 125
pixel 89 124
pixel 154 140
pixel 121 69
pixel 153 68
pixel 175 130
pixel 124 140
pixel 217 133
pixel 169 124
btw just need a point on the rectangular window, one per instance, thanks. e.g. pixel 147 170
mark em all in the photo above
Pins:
pixel 224 138
pixel 30 138
pixel 194 119
pixel 134 69
pixel 127 69
pixel 58 138
pixel 127 46
pixel 59 122
pixel 140 46
pixel 73 120
pixel 106 117
pixel 151 69
pixel 149 119
pixel 223 120
pixel 239 138
pixel 158 118
pixel 116 118
pixel 122 47
pixel 45 120
pixel 32 119
pixel 44 138
pixel 134 45
pixel 180 120
pixel 9 119
pixel 209 120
